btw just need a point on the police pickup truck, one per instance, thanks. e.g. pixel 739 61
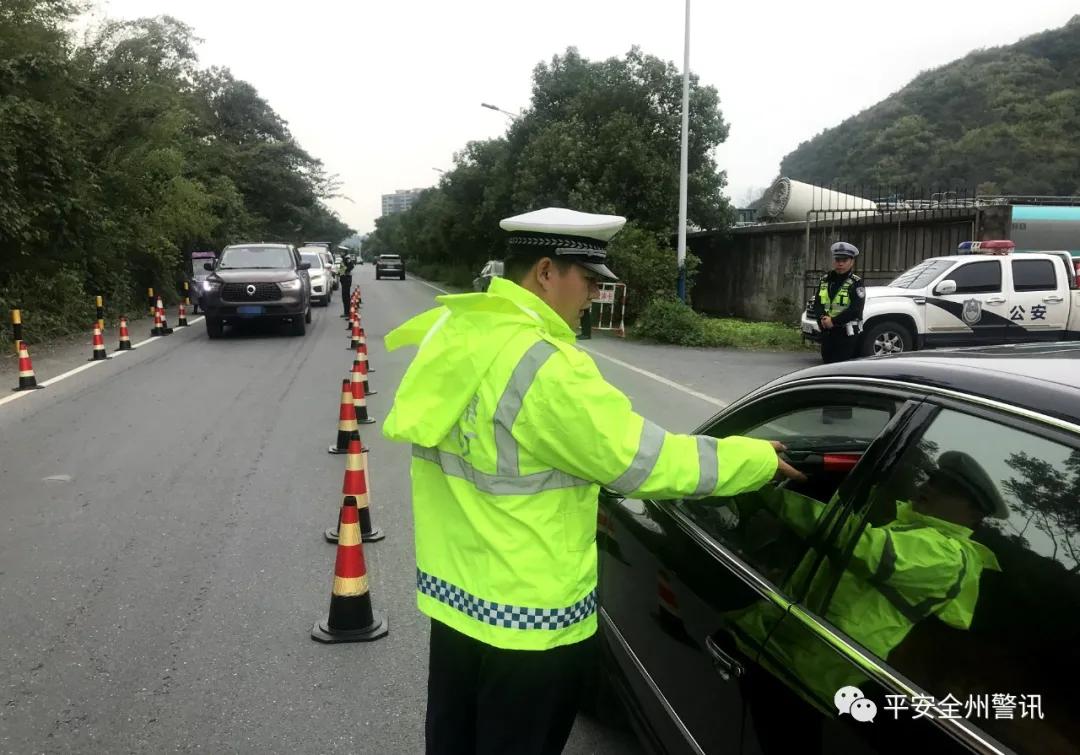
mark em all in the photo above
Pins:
pixel 986 294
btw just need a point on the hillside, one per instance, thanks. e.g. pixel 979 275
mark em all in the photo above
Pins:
pixel 1002 120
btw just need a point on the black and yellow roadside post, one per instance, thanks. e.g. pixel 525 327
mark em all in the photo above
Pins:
pixel 16 327
pixel 99 302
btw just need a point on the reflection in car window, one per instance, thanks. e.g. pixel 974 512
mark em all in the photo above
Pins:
pixel 750 524
pixel 841 425
pixel 978 277
pixel 315 260
pixel 963 574
pixel 255 257
pixel 921 275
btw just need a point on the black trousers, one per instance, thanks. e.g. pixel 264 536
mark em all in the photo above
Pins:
pixel 346 291
pixel 837 346
pixel 483 699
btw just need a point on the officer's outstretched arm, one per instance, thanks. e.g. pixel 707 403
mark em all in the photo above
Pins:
pixel 575 421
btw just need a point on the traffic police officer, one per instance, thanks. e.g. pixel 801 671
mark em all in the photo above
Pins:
pixel 838 306
pixel 345 278
pixel 513 430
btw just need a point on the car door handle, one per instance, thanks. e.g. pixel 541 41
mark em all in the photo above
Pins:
pixel 1054 298
pixel 996 300
pixel 727 667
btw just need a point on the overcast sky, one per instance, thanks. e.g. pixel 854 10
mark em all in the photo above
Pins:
pixel 384 92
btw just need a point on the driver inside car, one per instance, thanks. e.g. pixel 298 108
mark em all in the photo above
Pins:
pixel 922 563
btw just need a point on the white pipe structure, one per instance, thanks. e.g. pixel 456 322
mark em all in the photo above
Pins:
pixel 788 199
pixel 683 157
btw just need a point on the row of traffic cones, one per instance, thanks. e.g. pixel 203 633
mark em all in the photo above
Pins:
pixel 351 617
pixel 27 377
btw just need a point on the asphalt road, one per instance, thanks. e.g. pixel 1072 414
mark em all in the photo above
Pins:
pixel 161 550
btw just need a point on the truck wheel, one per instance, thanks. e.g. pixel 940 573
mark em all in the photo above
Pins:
pixel 887 337
pixel 299 326
pixel 214 327
pixel 307 316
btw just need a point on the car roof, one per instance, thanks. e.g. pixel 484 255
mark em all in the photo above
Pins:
pixel 389 255
pixel 268 244
pixel 1041 377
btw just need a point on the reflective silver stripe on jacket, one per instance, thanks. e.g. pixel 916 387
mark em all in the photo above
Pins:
pixel 537 482
pixel 648 453
pixel 506 447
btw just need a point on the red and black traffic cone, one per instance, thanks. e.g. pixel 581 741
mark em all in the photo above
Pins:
pixel 358 379
pixel 99 345
pixel 347 428
pixel 27 378
pixel 165 329
pixel 355 486
pixel 351 617
pixel 354 340
pixel 156 331
pixel 360 403
pixel 367 362
pixel 125 337
pixel 181 317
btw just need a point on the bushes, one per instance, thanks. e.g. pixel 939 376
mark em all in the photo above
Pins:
pixel 668 320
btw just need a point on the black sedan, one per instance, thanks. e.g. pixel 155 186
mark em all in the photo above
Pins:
pixel 919 593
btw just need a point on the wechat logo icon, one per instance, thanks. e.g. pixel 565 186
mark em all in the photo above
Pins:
pixel 851 700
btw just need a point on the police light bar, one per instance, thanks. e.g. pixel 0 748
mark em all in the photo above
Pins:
pixel 1001 246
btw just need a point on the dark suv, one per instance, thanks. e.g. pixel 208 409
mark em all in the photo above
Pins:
pixel 257 282
pixel 389 265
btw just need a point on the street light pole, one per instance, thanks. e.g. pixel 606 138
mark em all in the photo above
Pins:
pixel 509 115
pixel 683 158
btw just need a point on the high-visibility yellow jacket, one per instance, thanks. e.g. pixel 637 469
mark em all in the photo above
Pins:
pixel 513 429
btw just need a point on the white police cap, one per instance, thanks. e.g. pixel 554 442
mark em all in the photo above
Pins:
pixel 580 237
pixel 844 249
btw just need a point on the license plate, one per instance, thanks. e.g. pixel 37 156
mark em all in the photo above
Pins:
pixel 249 310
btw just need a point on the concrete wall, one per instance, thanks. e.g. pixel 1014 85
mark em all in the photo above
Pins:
pixel 767 272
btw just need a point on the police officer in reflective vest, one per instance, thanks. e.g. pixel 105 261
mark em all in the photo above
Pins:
pixel 513 430
pixel 838 306
pixel 347 264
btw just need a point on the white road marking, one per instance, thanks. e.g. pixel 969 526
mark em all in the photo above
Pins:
pixel 81 368
pixel 418 280
pixel 660 379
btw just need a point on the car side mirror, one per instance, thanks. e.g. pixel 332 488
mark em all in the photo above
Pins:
pixel 945 288
pixel 304 266
pixel 208 266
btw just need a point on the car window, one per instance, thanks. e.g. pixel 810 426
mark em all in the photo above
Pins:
pixel 497 267
pixel 315 260
pixel 255 257
pixel 978 277
pixel 825 439
pixel 1034 275
pixel 390 257
pixel 922 274
pixel 963 574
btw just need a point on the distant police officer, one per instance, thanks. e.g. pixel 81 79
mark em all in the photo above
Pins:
pixel 838 306
pixel 347 263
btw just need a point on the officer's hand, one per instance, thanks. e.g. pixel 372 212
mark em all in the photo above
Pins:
pixel 826 322
pixel 783 469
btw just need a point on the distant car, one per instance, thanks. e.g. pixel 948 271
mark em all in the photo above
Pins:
pixel 493 269
pixel 257 282
pixel 389 265
pixel 926 565
pixel 322 283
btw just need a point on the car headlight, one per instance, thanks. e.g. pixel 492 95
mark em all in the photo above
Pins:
pixel 209 285
pixel 290 285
